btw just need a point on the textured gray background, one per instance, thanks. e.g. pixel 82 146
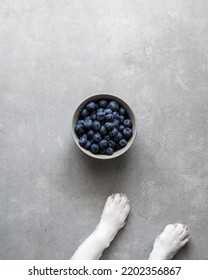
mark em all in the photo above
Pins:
pixel 55 53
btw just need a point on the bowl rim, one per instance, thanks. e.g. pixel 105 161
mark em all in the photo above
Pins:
pixel 108 96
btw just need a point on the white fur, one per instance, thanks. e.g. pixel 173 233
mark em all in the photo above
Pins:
pixel 115 212
pixel 169 242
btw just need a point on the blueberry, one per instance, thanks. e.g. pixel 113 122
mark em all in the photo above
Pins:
pixel 102 103
pixel 84 135
pixel 100 116
pixel 97 106
pixel 118 137
pixel 127 123
pixel 116 115
pixel 103 144
pixel 109 151
pixel 127 132
pixel 83 141
pixel 80 121
pixel 97 137
pixel 121 119
pixel 79 128
pixel 122 143
pixel 113 105
pixel 90 106
pixel 103 130
pixel 102 122
pixel 109 125
pixel 122 111
pixel 94 148
pixel 117 147
pixel 87 118
pixel 113 132
pixel 93 116
pixel 111 144
pixel 109 117
pixel 88 123
pixel 108 111
pixel 121 128
pixel 90 133
pixel 96 125
pixel 107 137
pixel 116 123
pixel 88 145
pixel 84 113
pixel 102 151
pixel 100 110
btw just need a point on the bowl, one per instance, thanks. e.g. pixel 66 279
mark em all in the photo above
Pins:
pixel 95 98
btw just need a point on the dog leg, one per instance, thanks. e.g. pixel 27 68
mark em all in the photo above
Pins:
pixel 113 218
pixel 169 242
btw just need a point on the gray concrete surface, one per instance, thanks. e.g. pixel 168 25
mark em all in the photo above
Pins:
pixel 55 53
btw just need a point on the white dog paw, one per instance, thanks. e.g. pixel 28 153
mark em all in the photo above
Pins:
pixel 114 214
pixel 169 242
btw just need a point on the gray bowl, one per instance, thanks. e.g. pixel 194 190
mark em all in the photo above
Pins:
pixel 95 98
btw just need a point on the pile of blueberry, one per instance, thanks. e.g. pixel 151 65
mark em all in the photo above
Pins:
pixel 103 127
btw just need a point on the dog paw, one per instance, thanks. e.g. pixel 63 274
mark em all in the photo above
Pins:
pixel 169 242
pixel 114 214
